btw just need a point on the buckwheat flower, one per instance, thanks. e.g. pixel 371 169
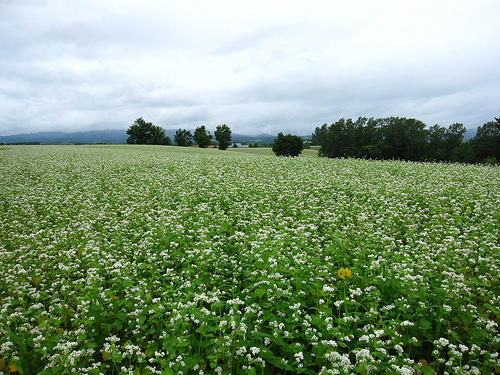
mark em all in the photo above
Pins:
pixel 407 323
pixel 255 350
pixel 491 325
pixel 442 342
pixel 299 356
pixel 327 288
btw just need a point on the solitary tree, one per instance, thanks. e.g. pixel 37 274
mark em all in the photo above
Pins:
pixel 288 145
pixel 142 132
pixel 183 137
pixel 223 136
pixel 201 137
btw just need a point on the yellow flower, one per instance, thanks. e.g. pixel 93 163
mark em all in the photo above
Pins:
pixel 345 272
pixel 342 273
pixel 348 273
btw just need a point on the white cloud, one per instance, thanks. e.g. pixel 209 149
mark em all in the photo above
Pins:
pixel 276 65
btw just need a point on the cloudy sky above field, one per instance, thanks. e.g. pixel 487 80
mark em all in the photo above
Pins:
pixel 258 66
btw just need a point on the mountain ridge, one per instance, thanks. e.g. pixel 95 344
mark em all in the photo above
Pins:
pixel 110 136
pixel 120 137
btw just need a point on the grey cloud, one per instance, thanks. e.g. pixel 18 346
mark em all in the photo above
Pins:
pixel 75 65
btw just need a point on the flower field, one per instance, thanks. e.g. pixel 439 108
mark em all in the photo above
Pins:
pixel 168 260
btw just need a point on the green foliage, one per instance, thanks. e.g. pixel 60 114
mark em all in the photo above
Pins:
pixel 490 161
pixel 202 137
pixel 142 132
pixel 405 139
pixel 345 138
pixel 464 153
pixel 223 136
pixel 487 141
pixel 370 152
pixel 288 145
pixel 183 137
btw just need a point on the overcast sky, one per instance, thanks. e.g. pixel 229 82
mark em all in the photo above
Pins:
pixel 257 66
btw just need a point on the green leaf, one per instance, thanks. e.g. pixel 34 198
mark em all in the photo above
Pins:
pixel 260 292
pixel 15 366
pixel 494 310
pixel 82 337
pixel 427 370
pixel 116 357
pixel 425 324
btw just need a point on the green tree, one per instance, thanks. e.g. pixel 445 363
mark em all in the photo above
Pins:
pixel 335 140
pixel 404 139
pixel 288 145
pixel 464 153
pixel 223 136
pixel 437 143
pixel 487 141
pixel 347 138
pixel 183 137
pixel 202 137
pixel 370 152
pixel 143 132
pixel 453 138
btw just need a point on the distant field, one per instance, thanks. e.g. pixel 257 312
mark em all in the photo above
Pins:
pixel 168 260
pixel 267 151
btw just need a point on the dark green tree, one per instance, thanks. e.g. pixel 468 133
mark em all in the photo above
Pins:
pixel 404 139
pixel 487 142
pixel 143 132
pixel 202 137
pixel 437 143
pixel 223 136
pixel 337 139
pixel 319 137
pixel 346 138
pixel 370 152
pixel 464 153
pixel 183 137
pixel 454 137
pixel 288 145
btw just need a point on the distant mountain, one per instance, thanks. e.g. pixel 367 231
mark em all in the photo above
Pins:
pixel 111 136
pixel 88 137
pixel 120 137
pixel 260 138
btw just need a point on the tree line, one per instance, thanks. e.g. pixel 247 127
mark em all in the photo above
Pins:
pixel 372 138
pixel 407 139
pixel 143 132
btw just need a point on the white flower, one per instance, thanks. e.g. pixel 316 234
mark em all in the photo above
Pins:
pixel 255 350
pixel 299 356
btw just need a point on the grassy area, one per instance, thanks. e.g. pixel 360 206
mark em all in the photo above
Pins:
pixel 169 260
